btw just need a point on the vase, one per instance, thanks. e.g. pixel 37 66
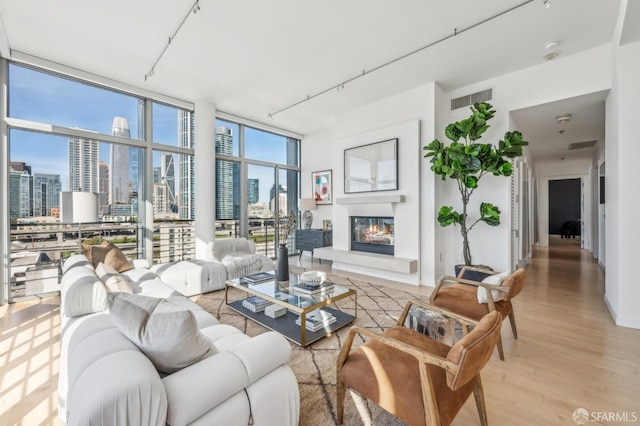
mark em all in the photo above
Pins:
pixel 282 269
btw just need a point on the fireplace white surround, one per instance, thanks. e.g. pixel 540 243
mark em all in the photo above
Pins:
pixel 403 204
pixel 395 267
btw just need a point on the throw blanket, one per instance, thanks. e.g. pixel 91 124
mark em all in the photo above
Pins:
pixel 242 265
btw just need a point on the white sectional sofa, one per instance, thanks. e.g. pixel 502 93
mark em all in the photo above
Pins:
pixel 226 258
pixel 106 379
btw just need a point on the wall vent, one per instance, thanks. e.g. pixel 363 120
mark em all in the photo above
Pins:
pixel 582 145
pixel 471 99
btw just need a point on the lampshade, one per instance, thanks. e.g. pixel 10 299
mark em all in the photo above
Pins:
pixel 307 204
pixel 78 207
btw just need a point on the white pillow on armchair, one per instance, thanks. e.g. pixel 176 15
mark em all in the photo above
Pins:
pixel 497 295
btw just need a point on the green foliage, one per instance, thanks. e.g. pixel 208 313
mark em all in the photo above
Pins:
pixel 466 161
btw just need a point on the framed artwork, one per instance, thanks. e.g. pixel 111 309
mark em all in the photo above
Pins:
pixel 372 167
pixel 322 187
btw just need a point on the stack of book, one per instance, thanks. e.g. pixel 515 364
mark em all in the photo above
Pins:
pixel 255 304
pixel 318 319
pixel 305 288
pixel 259 277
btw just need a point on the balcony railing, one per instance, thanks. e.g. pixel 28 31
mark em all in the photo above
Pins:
pixel 38 249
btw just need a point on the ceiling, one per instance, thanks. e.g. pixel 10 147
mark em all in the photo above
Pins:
pixel 253 58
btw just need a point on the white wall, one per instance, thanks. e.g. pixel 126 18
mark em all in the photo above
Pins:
pixel 567 77
pixel 622 204
pixel 408 116
pixel 440 248
pixel 317 152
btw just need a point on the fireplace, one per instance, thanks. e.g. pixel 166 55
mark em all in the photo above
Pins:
pixel 372 234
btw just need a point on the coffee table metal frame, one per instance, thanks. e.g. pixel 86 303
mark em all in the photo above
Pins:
pixel 297 304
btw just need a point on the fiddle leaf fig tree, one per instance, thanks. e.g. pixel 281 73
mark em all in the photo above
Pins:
pixel 466 161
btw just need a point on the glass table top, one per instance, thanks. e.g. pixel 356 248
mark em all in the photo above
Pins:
pixel 285 291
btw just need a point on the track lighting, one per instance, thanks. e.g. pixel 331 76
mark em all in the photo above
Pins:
pixel 194 9
pixel 456 32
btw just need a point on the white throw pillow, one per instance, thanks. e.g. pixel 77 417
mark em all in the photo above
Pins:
pixel 166 332
pixel 112 279
pixel 496 279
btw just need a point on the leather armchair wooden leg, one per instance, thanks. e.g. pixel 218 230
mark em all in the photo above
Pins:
pixel 512 320
pixel 500 351
pixel 478 394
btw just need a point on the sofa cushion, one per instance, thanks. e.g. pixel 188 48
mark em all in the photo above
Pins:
pixel 107 253
pixel 495 279
pixel 82 292
pixel 165 331
pixel 112 279
pixel 228 246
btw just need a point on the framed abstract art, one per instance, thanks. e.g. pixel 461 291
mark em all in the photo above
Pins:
pixel 322 187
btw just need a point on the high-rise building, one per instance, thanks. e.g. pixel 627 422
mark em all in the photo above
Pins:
pixel 253 191
pixel 273 193
pixel 161 205
pixel 83 157
pixel 224 175
pixel 103 188
pixel 186 172
pixel 119 179
pixel 157 175
pixel 18 192
pixel 46 193
pixel 168 175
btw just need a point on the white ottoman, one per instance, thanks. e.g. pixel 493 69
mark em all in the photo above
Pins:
pixel 191 277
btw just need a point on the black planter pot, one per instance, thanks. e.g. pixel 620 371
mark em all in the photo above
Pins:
pixel 282 268
pixel 474 275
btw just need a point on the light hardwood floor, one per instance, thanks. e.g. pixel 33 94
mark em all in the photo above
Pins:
pixel 569 354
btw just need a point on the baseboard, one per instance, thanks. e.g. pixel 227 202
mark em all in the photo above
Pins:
pixel 628 322
pixel 601 265
pixel 621 320
pixel 612 311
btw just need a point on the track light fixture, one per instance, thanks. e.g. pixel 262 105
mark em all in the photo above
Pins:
pixel 546 3
pixel 194 9
pixel 456 32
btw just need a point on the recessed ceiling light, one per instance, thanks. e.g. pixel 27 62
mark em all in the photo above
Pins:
pixel 550 45
pixel 550 56
pixel 563 118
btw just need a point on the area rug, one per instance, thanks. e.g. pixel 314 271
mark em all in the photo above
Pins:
pixel 314 366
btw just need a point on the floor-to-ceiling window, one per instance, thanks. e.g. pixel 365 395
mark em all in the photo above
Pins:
pixel 66 135
pixel 257 176
pixel 134 152
pixel 173 190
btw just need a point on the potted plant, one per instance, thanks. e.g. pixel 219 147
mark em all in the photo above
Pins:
pixel 466 161
pixel 286 225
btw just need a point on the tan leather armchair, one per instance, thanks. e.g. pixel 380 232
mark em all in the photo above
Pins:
pixel 460 295
pixel 418 379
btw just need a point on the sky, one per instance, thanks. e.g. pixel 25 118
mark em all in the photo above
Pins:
pixel 39 97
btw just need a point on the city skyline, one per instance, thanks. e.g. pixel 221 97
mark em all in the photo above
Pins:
pixel 46 98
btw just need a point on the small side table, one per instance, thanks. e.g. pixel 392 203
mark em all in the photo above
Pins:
pixel 309 239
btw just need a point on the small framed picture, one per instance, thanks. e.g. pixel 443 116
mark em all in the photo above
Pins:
pixel 322 187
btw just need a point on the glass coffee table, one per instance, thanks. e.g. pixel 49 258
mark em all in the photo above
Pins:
pixel 297 306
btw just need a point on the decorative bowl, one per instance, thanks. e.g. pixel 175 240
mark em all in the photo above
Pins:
pixel 313 278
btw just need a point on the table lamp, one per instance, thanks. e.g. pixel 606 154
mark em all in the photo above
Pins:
pixel 306 205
